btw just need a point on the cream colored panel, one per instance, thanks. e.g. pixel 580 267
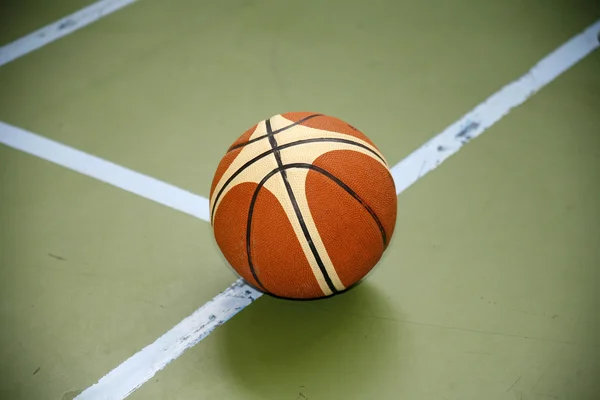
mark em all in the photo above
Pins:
pixel 297 179
pixel 276 186
pixel 261 130
pixel 300 132
pixel 254 173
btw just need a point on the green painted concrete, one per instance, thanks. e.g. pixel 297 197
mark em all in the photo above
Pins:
pixel 489 290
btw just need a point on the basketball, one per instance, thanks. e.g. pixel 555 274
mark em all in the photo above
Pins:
pixel 303 205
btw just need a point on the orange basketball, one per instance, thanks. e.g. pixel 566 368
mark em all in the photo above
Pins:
pixel 303 205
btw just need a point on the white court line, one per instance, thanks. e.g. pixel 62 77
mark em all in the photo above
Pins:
pixel 79 161
pixel 105 171
pixel 442 146
pixel 142 366
pixel 133 373
pixel 59 28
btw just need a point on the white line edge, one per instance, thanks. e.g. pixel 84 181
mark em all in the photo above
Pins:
pixel 60 28
pixel 105 171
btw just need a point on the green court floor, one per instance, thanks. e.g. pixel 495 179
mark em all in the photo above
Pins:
pixel 489 290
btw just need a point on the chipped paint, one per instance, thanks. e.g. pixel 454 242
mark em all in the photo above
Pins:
pixel 67 24
pixel 469 126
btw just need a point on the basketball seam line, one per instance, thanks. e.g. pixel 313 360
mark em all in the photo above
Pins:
pixel 248 236
pixel 281 147
pixel 256 139
pixel 290 192
pixel 355 195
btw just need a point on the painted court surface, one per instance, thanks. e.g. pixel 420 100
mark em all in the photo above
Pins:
pixel 488 291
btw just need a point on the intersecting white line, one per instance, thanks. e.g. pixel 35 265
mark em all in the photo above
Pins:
pixel 139 368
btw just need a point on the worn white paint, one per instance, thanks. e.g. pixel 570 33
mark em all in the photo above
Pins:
pixel 60 28
pixel 143 365
pixel 105 171
pixel 453 138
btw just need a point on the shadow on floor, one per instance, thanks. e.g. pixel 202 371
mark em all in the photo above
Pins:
pixel 333 348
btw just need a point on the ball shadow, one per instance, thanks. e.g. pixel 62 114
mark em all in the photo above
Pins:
pixel 332 348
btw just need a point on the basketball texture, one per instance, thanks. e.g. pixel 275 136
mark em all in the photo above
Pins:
pixel 303 205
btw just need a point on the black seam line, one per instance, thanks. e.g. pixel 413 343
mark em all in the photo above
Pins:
pixel 285 146
pixel 356 197
pixel 290 192
pixel 249 231
pixel 256 139
pixel 305 166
